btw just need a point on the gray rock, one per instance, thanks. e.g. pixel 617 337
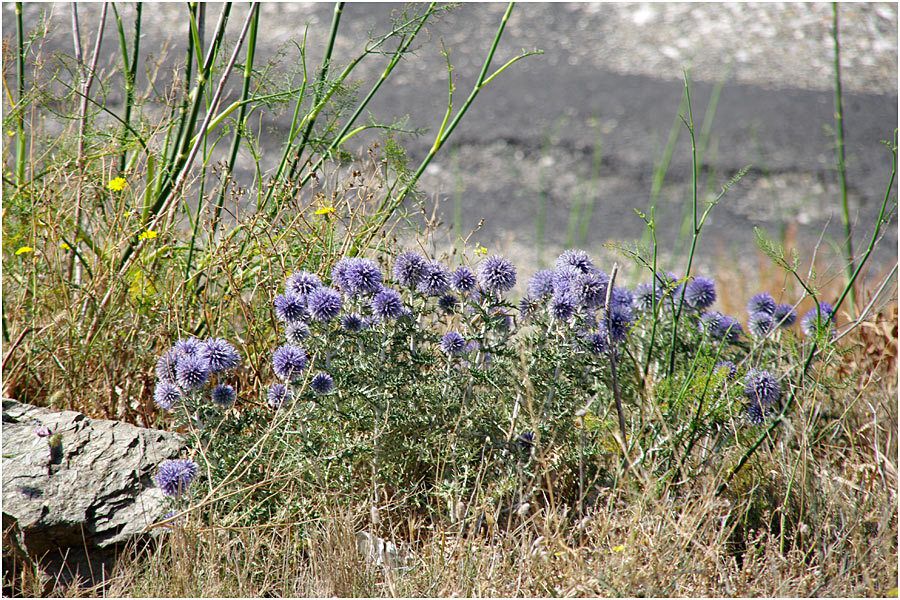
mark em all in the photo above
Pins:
pixel 69 512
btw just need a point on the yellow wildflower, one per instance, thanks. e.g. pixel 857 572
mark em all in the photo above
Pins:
pixel 325 210
pixel 619 548
pixel 118 184
pixel 24 250
pixel 479 249
pixel 65 246
pixel 147 235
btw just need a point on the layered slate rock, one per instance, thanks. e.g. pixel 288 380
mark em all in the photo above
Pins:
pixel 69 511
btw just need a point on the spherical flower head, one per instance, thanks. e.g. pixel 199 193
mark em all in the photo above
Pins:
pixel 277 394
pixel 220 355
pixel 387 304
pixel 322 383
pixel 361 277
pixel 324 304
pixel 785 315
pixel 671 284
pixel 296 332
pixel 597 341
pixel 760 324
pixel 619 321
pixel 721 327
pixel 540 285
pixel 590 288
pixel 700 293
pixel 564 279
pixel 174 476
pixel 223 396
pixel 435 279
pixel 166 395
pixel 167 364
pixel 731 329
pixel 302 283
pixel 730 368
pixel 817 318
pixel 290 307
pixel 463 280
pixel 353 323
pixel 339 273
pixel 762 388
pixel 192 372
pixel 289 362
pixel 408 269
pixel 644 293
pixel 188 347
pixel 761 303
pixel 756 414
pixel 621 297
pixel 575 258
pixel 448 302
pixel 496 274
pixel 453 343
pixel 563 305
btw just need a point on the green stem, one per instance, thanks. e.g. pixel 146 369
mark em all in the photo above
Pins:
pixel 130 72
pixel 841 155
pixel 20 110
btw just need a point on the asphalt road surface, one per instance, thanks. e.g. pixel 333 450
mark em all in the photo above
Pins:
pixel 586 122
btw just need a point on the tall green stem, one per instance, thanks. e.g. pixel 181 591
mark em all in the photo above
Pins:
pixel 130 73
pixel 20 109
pixel 841 154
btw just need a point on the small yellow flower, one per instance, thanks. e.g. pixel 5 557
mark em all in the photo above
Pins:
pixel 147 235
pixel 24 250
pixel 118 184
pixel 619 548
pixel 65 246
pixel 479 249
pixel 325 210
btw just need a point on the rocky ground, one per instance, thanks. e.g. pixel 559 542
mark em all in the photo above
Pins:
pixel 586 122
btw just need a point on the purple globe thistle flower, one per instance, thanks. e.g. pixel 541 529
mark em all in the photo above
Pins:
pixel 761 303
pixel 813 321
pixel 322 383
pixel 762 388
pixel 192 372
pixel 496 274
pixel 700 293
pixel 785 315
pixel 166 395
pixel 760 324
pixel 409 268
pixel 324 304
pixel 188 347
pixel 339 273
pixel 621 297
pixel 619 321
pixel 453 343
pixel 362 276
pixel 671 284
pixel 387 304
pixel 730 368
pixel 174 476
pixel 302 283
pixel 540 285
pixel 597 341
pixel 220 355
pixel 435 279
pixel 353 323
pixel 644 295
pixel 296 333
pixel 223 396
pixel 528 306
pixel 563 305
pixel 590 288
pixel 289 362
pixel 756 414
pixel 463 280
pixel 721 327
pixel 277 394
pixel 731 329
pixel 290 307
pixel 167 364
pixel 575 258
pixel 448 302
